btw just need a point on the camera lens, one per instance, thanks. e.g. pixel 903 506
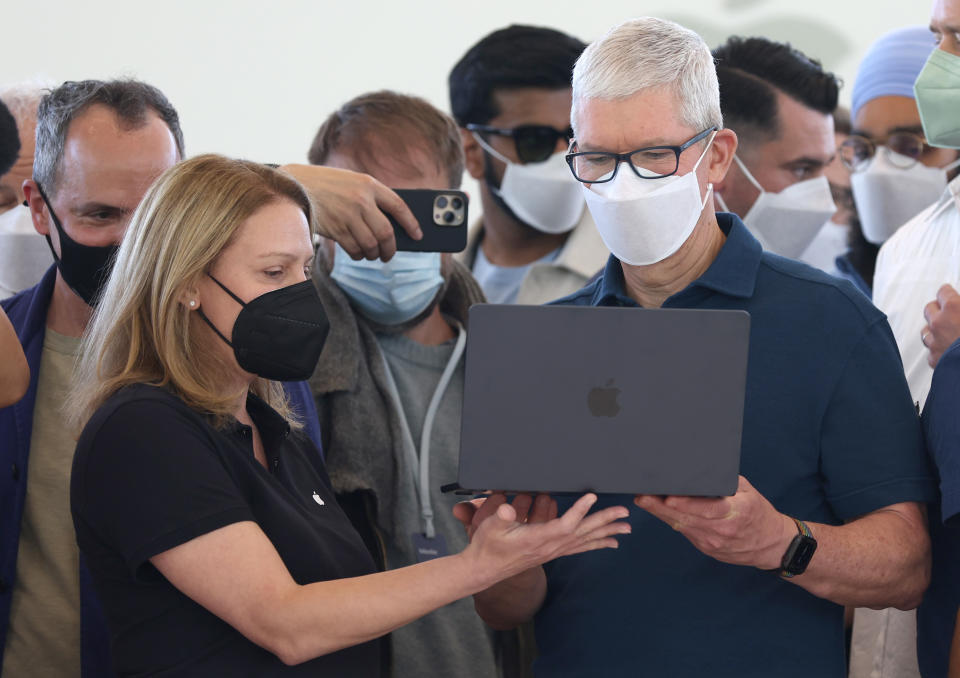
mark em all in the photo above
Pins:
pixel 449 217
pixel 441 202
pixel 456 203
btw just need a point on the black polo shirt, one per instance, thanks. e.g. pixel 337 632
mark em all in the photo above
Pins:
pixel 149 474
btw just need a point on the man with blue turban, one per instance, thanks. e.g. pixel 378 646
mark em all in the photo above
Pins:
pixel 909 175
pixel 917 259
pixel 932 241
pixel 896 174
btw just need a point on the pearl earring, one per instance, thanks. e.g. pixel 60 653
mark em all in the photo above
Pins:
pixel 193 303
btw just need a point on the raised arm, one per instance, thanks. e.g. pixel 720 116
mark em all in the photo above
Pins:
pixel 236 573
pixel 350 210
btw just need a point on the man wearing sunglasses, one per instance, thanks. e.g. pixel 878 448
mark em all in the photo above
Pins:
pixel 510 94
pixel 753 584
pixel 780 103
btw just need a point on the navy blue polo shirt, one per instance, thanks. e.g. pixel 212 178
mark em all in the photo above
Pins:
pixel 829 434
pixel 937 615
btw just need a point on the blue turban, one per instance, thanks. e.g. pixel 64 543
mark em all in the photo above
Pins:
pixel 892 65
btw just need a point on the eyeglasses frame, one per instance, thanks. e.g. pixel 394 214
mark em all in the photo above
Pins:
pixel 625 157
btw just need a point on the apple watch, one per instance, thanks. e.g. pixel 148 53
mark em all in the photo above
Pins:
pixel 799 553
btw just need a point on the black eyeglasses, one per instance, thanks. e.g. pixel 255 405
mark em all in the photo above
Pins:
pixel 653 162
pixel 534 143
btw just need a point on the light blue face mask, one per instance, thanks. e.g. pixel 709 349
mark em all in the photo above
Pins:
pixel 392 292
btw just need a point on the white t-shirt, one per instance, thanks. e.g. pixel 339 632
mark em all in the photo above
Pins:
pixel 912 265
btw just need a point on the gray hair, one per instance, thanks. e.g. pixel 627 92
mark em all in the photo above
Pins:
pixel 645 53
pixel 131 100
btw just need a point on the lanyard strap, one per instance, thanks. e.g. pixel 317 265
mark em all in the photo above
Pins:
pixel 421 479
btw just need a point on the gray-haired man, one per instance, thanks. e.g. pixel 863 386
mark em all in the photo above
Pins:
pixel 100 145
pixel 832 469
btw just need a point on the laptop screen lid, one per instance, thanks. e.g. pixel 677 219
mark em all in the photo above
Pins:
pixel 569 399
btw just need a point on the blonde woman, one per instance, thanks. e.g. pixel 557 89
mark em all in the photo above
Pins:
pixel 206 519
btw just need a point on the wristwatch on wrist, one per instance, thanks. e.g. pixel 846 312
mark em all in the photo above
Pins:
pixel 799 553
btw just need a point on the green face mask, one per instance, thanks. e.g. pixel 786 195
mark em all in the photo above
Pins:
pixel 938 97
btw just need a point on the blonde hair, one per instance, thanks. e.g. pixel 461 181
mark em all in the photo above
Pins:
pixel 140 331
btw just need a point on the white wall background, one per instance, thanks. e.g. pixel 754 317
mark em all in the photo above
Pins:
pixel 254 79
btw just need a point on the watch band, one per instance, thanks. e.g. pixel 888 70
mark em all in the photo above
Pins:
pixel 802 546
pixel 802 527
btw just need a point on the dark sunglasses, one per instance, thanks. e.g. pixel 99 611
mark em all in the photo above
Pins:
pixel 534 143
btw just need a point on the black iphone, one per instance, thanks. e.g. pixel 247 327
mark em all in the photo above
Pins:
pixel 442 216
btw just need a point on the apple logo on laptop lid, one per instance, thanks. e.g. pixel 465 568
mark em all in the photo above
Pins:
pixel 602 400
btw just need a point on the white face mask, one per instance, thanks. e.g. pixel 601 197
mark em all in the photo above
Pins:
pixel 888 196
pixel 786 223
pixel 24 255
pixel 543 195
pixel 644 221
pixel 830 243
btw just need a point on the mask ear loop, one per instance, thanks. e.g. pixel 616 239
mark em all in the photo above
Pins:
pixel 951 165
pixel 207 320
pixel 489 149
pixel 747 174
pixel 703 155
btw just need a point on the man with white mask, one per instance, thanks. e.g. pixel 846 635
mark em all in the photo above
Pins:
pixel 780 104
pixel 719 579
pixel 923 254
pixel 510 94
pixel 389 383
pixel 24 255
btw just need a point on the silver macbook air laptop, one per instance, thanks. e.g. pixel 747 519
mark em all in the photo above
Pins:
pixel 611 400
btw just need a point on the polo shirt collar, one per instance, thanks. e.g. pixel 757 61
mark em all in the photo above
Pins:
pixel 733 272
pixel 272 426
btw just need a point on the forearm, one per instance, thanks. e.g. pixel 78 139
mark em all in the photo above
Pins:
pixel 324 617
pixel 513 601
pixel 880 560
pixel 236 573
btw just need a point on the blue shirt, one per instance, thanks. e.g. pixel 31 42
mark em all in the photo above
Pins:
pixel 829 434
pixel 937 615
pixel 501 284
pixel 847 271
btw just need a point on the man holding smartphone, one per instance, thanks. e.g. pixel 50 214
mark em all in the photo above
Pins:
pixel 389 383
pixel 510 94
